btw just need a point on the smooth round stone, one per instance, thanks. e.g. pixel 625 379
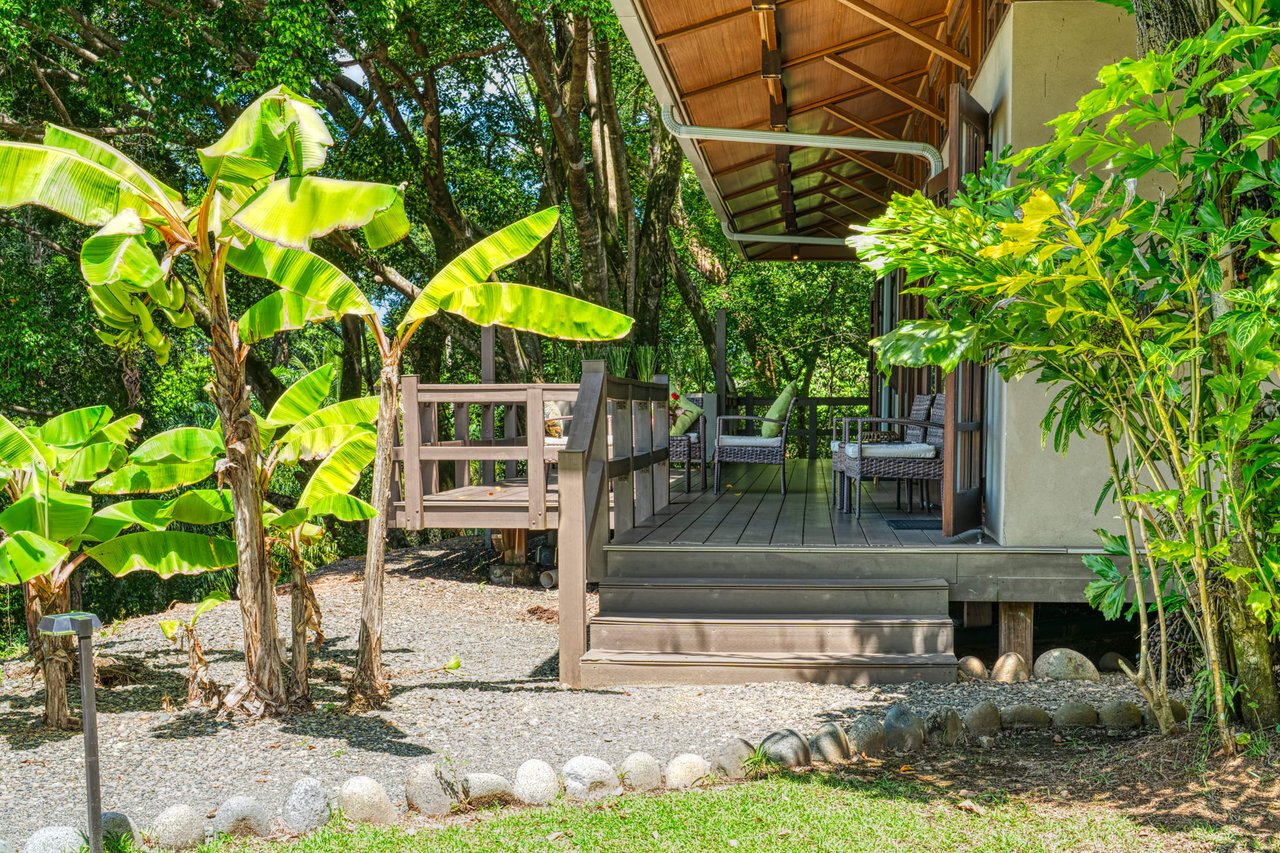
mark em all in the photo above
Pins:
pixel 983 720
pixel 118 826
pixel 731 758
pixel 903 730
pixel 536 783
pixel 1011 668
pixel 307 808
pixel 1110 662
pixel 970 668
pixel 1065 665
pixel 1025 717
pixel 640 771
pixel 55 839
pixel 1119 714
pixel 428 792
pixel 687 770
pixel 945 727
pixel 1075 715
pixel 830 744
pixel 177 828
pixel 241 815
pixel 589 778
pixel 866 736
pixel 786 748
pixel 483 789
pixel 364 800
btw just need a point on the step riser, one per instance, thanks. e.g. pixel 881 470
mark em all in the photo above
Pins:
pixel 815 601
pixel 602 674
pixel 774 637
pixel 780 563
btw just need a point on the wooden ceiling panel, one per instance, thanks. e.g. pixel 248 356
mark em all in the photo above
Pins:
pixel 716 54
pixel 667 18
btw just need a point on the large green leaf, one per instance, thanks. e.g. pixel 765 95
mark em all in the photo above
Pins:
pixel 118 252
pixel 295 211
pixel 339 473
pixel 182 444
pixel 143 512
pixel 104 155
pixel 46 509
pixel 343 508
pixel 18 449
pixel 482 260
pixel 199 506
pixel 304 273
pixel 533 309
pixel 154 477
pixel 64 182
pixel 87 463
pixel 74 428
pixel 361 410
pixel 302 397
pixel 316 443
pixel 26 555
pixel 280 311
pixel 167 553
pixel 119 431
pixel 280 124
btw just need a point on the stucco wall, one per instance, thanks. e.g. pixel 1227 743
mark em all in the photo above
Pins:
pixel 1046 54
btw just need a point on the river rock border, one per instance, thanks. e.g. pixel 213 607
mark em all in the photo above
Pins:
pixel 434 790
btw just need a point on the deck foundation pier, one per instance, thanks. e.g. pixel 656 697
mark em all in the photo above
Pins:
pixel 1017 628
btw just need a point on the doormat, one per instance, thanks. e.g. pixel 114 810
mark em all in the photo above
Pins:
pixel 914 523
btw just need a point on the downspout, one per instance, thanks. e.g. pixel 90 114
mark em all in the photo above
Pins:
pixel 680 130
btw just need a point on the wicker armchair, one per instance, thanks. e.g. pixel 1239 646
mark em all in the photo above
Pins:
pixel 689 448
pixel 918 459
pixel 840 438
pixel 752 449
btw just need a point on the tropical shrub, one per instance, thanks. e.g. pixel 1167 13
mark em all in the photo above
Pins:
pixel 202 690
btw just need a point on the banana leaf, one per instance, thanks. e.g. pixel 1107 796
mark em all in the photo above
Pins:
pixel 166 553
pixel 534 309
pixel 295 211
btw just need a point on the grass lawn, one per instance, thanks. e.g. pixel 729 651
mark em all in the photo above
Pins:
pixel 812 811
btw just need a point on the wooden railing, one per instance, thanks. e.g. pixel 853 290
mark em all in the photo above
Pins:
pixel 636 470
pixel 810 429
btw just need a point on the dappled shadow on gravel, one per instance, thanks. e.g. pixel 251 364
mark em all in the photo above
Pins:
pixel 509 685
pixel 23 730
pixel 370 733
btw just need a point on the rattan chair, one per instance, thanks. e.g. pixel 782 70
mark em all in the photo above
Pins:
pixel 840 437
pixel 752 449
pixel 909 460
pixel 689 447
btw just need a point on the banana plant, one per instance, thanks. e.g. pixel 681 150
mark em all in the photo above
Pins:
pixel 462 287
pixel 49 529
pixel 261 207
pixel 202 690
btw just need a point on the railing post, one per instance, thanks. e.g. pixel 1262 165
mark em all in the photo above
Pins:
pixel 411 419
pixel 536 447
pixel 624 495
pixel 488 375
pixel 661 441
pixel 813 428
pixel 642 440
pixel 462 434
pixel 722 359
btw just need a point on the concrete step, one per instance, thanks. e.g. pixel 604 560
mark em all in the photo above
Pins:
pixel 605 667
pixel 773 633
pixel 850 597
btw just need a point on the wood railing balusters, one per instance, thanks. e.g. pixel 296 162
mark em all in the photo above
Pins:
pixel 537 469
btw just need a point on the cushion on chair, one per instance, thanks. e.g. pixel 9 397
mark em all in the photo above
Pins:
pixel 749 441
pixel 893 450
pixel 835 445
pixel 687 413
pixel 778 411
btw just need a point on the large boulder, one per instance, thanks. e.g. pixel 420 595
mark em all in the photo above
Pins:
pixel 536 783
pixel 687 770
pixel 589 778
pixel 307 808
pixel 1110 662
pixel 903 730
pixel 1065 665
pixel 485 789
pixel 119 828
pixel 1011 668
pixel 55 839
pixel 983 720
pixel 178 827
pixel 731 758
pixel 241 815
pixel 1119 714
pixel 970 668
pixel 640 771
pixel 786 748
pixel 429 792
pixel 830 744
pixel 364 800
pixel 866 736
pixel 1075 715
pixel 945 727
pixel 1025 717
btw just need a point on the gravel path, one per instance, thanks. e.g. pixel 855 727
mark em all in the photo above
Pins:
pixel 502 708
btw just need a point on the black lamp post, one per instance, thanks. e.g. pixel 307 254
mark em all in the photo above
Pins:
pixel 82 626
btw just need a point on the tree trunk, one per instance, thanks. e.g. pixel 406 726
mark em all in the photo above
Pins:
pixel 349 383
pixel 262 691
pixel 1161 23
pixel 369 688
pixel 1251 650
pixel 300 689
pixel 55 655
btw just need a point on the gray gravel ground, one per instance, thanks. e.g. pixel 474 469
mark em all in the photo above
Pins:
pixel 502 708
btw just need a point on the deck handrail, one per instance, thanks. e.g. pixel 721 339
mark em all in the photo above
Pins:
pixel 809 434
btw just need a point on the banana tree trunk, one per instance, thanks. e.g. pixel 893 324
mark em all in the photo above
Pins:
pixel 55 655
pixel 300 689
pixel 369 688
pixel 262 691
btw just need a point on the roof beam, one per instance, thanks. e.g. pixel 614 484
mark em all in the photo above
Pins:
pixel 855 93
pixel 858 124
pixel 843 202
pixel 889 87
pixel 854 185
pixel 910 33
pixel 883 171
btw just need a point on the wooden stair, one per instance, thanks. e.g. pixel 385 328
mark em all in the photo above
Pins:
pixel 674 625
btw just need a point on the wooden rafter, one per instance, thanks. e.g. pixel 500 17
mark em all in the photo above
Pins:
pixel 884 171
pixel 910 33
pixel 707 23
pixel 857 187
pixel 889 87
pixel 866 127
pixel 843 202
pixel 842 97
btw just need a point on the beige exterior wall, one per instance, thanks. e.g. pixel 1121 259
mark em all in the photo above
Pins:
pixel 1045 56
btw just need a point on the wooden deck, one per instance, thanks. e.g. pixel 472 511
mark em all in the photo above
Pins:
pixel 752 511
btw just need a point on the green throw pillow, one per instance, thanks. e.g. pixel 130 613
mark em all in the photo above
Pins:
pixel 686 411
pixel 778 411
